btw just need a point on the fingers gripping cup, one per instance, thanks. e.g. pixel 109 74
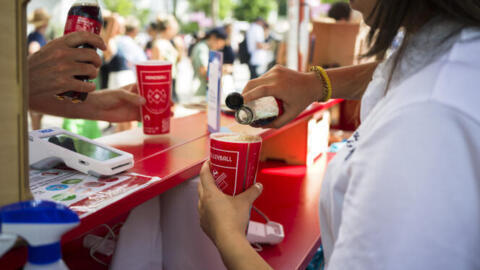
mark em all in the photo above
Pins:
pixel 234 161
pixel 154 79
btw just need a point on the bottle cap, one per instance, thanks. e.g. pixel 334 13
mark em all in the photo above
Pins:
pixel 234 101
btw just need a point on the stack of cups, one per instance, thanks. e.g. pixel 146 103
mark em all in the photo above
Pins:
pixel 154 80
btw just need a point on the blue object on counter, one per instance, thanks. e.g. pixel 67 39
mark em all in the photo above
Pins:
pixel 335 147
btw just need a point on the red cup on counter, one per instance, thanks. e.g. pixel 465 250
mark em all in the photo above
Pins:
pixel 154 80
pixel 234 161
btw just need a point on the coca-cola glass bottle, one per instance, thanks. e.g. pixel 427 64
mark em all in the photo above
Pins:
pixel 84 15
pixel 255 113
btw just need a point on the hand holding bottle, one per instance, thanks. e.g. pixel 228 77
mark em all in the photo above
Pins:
pixel 53 68
pixel 295 89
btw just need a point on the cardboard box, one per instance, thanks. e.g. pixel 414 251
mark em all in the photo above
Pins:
pixel 302 144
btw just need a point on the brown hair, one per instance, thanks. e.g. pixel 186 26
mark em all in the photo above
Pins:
pixel 389 16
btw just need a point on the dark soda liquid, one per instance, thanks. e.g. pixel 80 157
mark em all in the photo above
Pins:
pixel 87 11
pixel 91 12
pixel 263 121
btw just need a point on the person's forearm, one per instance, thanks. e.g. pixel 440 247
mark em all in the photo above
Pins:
pixel 50 105
pixel 351 82
pixel 237 254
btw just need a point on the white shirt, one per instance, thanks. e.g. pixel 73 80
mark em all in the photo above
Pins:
pixel 405 191
pixel 130 50
pixel 255 35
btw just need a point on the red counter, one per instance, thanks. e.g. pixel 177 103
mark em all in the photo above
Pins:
pixel 290 195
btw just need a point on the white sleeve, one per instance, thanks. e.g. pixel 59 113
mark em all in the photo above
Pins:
pixel 255 35
pixel 414 197
pixel 251 40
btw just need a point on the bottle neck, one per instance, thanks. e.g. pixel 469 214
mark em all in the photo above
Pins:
pixel 244 115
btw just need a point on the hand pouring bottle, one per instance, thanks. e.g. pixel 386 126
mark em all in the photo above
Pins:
pixel 255 113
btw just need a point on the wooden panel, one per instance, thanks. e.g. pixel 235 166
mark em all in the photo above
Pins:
pixel 334 43
pixel 14 156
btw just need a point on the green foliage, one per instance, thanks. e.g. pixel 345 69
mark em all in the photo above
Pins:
pixel 225 7
pixel 248 10
pixel 282 7
pixel 128 8
pixel 189 28
pixel 122 7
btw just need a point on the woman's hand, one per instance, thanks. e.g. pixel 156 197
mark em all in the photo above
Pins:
pixel 119 105
pixel 53 67
pixel 223 217
pixel 297 90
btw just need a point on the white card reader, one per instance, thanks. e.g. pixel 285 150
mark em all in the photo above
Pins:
pixel 50 147
pixel 261 233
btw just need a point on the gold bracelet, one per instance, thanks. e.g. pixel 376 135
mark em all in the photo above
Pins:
pixel 327 85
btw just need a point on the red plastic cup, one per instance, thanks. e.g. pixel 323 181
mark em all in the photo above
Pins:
pixel 234 161
pixel 154 80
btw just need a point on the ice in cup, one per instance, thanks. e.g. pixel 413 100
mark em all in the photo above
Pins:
pixel 154 80
pixel 234 161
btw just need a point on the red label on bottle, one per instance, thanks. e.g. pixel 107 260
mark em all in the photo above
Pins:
pixel 78 23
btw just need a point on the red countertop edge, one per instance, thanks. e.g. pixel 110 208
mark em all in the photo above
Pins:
pixel 125 204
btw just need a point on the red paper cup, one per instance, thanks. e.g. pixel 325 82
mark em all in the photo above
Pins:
pixel 154 80
pixel 234 161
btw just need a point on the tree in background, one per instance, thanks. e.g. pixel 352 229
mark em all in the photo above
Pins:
pixel 225 6
pixel 248 10
pixel 128 8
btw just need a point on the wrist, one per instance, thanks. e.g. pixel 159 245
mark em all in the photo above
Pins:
pixel 315 87
pixel 228 239
pixel 324 81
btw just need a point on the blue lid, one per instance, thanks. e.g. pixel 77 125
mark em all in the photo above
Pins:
pixel 37 211
pixel 45 254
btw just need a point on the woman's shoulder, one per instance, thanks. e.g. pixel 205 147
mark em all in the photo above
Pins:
pixel 458 80
pixel 451 81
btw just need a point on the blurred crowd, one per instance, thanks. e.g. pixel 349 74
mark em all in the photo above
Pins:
pixel 253 45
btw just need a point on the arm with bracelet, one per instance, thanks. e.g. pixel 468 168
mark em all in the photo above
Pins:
pixel 298 90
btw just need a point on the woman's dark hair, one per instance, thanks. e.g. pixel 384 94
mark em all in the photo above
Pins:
pixel 389 16
pixel 340 11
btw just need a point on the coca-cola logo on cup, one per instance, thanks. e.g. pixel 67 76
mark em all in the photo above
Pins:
pixel 157 99
pixel 157 96
pixel 156 90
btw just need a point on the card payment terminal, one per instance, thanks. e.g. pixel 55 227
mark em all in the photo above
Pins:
pixel 50 147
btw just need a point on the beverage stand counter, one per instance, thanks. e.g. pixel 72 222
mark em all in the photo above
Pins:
pixel 290 193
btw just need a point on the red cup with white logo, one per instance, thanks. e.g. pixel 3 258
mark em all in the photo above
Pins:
pixel 154 80
pixel 234 161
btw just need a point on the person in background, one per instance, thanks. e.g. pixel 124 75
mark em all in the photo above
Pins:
pixel 120 72
pixel 152 34
pixel 163 46
pixel 214 40
pixel 404 192
pixel 36 40
pixel 340 12
pixel 128 47
pixel 256 46
pixel 129 51
pixel 228 53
